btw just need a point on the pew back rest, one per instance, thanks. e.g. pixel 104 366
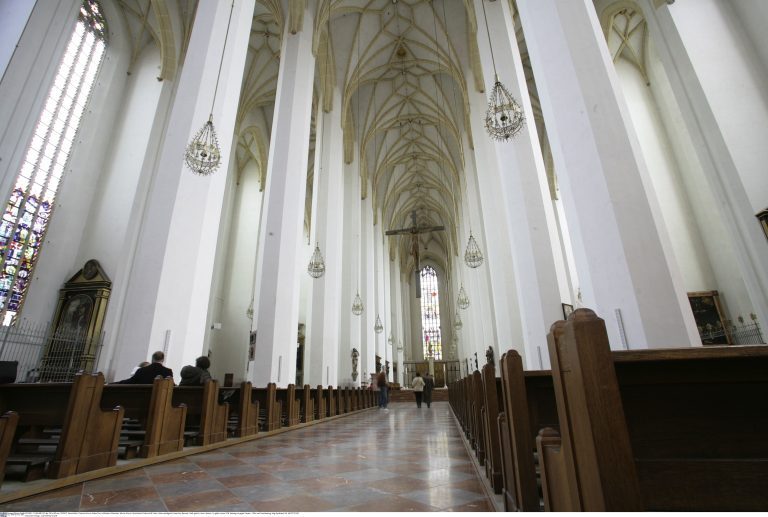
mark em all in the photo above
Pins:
pixel 698 421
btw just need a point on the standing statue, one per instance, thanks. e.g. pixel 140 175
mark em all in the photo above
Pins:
pixel 489 356
pixel 355 355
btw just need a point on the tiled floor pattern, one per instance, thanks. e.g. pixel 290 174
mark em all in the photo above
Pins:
pixel 402 459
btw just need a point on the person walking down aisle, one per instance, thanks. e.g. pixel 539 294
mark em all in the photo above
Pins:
pixel 429 385
pixel 381 383
pixel 418 388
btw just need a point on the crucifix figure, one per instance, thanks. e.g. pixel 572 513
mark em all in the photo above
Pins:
pixel 414 232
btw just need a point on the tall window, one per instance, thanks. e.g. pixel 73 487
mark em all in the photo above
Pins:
pixel 430 314
pixel 29 209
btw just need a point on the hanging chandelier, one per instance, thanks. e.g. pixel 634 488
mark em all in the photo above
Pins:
pixel 463 300
pixel 316 267
pixel 357 305
pixel 473 257
pixel 504 117
pixel 458 323
pixel 378 327
pixel 203 154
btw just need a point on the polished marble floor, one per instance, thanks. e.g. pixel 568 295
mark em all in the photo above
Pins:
pixel 401 459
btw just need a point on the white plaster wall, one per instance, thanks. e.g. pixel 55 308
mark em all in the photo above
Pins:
pixel 13 17
pixel 753 14
pixel 235 277
pixel 665 178
pixel 715 242
pixel 734 81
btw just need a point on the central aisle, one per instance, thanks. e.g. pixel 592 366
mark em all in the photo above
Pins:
pixel 401 459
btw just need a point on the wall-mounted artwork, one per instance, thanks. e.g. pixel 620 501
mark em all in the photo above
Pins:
pixel 76 336
pixel 710 318
pixel 763 218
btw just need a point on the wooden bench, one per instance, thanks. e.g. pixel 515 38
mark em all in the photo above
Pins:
pixel 160 425
pixel 332 398
pixel 89 436
pixel 528 405
pixel 318 396
pixel 8 423
pixel 491 392
pixel 476 416
pixel 291 406
pixel 270 408
pixel 244 411
pixel 660 429
pixel 307 404
pixel 206 417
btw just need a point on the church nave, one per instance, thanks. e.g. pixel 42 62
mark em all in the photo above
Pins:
pixel 404 459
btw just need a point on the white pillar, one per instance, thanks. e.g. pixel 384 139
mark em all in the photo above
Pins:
pixel 706 61
pixel 621 255
pixel 280 235
pixel 368 284
pixel 323 351
pixel 497 251
pixel 167 299
pixel 351 324
pixel 523 180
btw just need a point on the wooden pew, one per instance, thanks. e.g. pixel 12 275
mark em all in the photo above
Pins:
pixel 491 392
pixel 291 406
pixel 245 411
pixel 659 429
pixel 88 436
pixel 307 404
pixel 205 414
pixel 270 409
pixel 318 395
pixel 332 398
pixel 162 425
pixel 529 405
pixel 340 401
pixel 476 418
pixel 8 423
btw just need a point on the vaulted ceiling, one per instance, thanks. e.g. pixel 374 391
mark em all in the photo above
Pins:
pixel 404 69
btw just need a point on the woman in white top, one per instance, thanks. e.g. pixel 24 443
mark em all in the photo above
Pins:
pixel 418 388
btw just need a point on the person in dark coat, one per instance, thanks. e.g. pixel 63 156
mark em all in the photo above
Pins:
pixel 147 374
pixel 196 375
pixel 429 385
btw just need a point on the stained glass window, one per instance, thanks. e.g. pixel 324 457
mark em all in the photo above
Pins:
pixel 430 314
pixel 29 209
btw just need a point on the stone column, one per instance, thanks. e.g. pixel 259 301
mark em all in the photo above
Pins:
pixel 167 297
pixel 523 181
pixel 323 357
pixel 368 284
pixel 622 256
pixel 350 323
pixel 280 235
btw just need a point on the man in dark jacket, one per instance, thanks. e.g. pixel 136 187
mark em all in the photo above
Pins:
pixel 147 374
pixel 196 375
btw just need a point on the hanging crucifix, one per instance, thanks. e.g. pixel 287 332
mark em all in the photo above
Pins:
pixel 414 232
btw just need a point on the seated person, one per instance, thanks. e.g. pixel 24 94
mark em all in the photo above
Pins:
pixel 147 374
pixel 196 375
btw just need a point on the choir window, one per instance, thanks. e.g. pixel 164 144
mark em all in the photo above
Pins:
pixel 430 314
pixel 29 209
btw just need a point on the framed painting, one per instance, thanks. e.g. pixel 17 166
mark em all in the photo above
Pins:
pixel 763 218
pixel 76 336
pixel 567 310
pixel 710 318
